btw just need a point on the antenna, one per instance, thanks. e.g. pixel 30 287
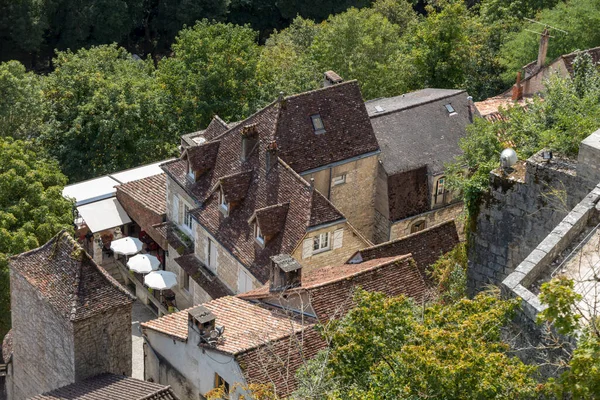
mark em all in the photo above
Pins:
pixel 545 26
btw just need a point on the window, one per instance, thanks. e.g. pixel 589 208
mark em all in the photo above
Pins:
pixel 317 123
pixel 191 175
pixel 417 226
pixel 440 186
pixel 187 219
pixel 221 383
pixel 321 242
pixel 186 281
pixel 258 234
pixel 450 109
pixel 338 180
pixel 222 201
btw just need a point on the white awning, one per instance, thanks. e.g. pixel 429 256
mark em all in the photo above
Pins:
pixel 90 191
pixel 134 174
pixel 104 214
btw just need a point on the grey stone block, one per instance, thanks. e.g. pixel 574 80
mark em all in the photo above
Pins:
pixel 512 280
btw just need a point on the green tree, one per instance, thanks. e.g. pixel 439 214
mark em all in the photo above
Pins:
pixel 389 348
pixel 22 101
pixel 106 112
pixel 317 10
pixel 581 379
pixel 212 72
pixel 32 208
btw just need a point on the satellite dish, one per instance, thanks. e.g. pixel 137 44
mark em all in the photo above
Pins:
pixel 508 158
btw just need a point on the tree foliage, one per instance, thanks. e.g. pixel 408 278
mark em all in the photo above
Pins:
pixel 106 112
pixel 32 208
pixel 389 348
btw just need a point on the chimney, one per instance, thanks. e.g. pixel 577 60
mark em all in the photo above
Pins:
pixel 271 155
pixel 517 90
pixel 330 78
pixel 543 49
pixel 201 319
pixel 286 273
pixel 470 107
pixel 249 139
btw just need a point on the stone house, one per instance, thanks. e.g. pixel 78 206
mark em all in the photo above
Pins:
pixel 70 320
pixel 417 133
pixel 264 336
pixel 233 201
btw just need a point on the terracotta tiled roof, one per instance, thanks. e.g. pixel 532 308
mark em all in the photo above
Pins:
pixel 246 325
pixel 71 282
pixel 331 288
pixel 150 192
pixel 264 188
pixel 277 364
pixel 110 387
pixel 203 276
pixel 425 246
pixel 348 131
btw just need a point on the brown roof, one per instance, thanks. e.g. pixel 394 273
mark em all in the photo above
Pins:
pixel 277 364
pixel 216 127
pixel 271 219
pixel 110 387
pixel 348 131
pixel 570 58
pixel 408 193
pixel 425 246
pixel 331 288
pixel 201 156
pixel 247 325
pixel 279 185
pixel 203 276
pixel 149 192
pixel 66 276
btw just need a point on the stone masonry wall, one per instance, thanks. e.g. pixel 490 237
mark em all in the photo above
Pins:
pixel 103 344
pixel 43 347
pixel 451 212
pixel 517 213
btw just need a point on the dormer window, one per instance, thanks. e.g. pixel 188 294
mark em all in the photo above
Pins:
pixel 258 236
pixel 223 205
pixel 450 109
pixel 190 174
pixel 317 123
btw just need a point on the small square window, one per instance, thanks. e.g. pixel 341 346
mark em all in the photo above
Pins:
pixel 317 123
pixel 440 185
pixel 186 281
pixel 417 226
pixel 338 180
pixel 321 242
pixel 221 383
pixel 258 234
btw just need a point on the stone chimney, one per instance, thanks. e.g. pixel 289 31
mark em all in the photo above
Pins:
pixel 543 49
pixel 271 155
pixel 330 78
pixel 286 273
pixel 249 139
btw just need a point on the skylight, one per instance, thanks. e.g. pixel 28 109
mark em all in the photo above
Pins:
pixel 317 123
pixel 450 109
pixel 379 109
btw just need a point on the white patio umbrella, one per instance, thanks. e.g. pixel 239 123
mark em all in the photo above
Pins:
pixel 127 246
pixel 143 263
pixel 160 280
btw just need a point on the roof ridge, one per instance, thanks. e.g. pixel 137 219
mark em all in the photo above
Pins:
pixel 337 85
pixel 257 113
pixel 408 107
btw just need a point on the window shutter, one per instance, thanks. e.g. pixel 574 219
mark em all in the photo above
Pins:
pixel 307 248
pixel 338 236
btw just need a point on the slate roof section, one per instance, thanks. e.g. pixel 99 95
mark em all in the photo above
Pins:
pixel 110 387
pixel 348 132
pixel 425 246
pixel 202 156
pixel 150 193
pixel 235 186
pixel 247 325
pixel 264 189
pixel 66 276
pixel 271 219
pixel 203 276
pixel 408 193
pixel 415 129
pixel 330 288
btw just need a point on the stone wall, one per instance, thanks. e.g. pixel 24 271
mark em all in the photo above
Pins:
pixel 355 198
pixel 588 161
pixel 517 213
pixel 451 212
pixel 43 344
pixel 351 243
pixel 103 344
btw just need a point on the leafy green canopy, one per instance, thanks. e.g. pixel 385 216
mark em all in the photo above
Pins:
pixel 105 112
pixel 32 208
pixel 21 105
pixel 390 348
pixel 565 114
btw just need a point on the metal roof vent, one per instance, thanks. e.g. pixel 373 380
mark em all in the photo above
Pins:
pixel 508 158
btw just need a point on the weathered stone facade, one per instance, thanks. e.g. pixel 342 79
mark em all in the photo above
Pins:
pixel 350 186
pixel 437 216
pixel 518 212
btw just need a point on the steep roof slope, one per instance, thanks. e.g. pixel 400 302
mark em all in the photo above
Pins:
pixel 71 282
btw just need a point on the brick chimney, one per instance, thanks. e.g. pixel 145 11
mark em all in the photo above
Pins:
pixel 330 78
pixel 249 139
pixel 543 49
pixel 517 89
